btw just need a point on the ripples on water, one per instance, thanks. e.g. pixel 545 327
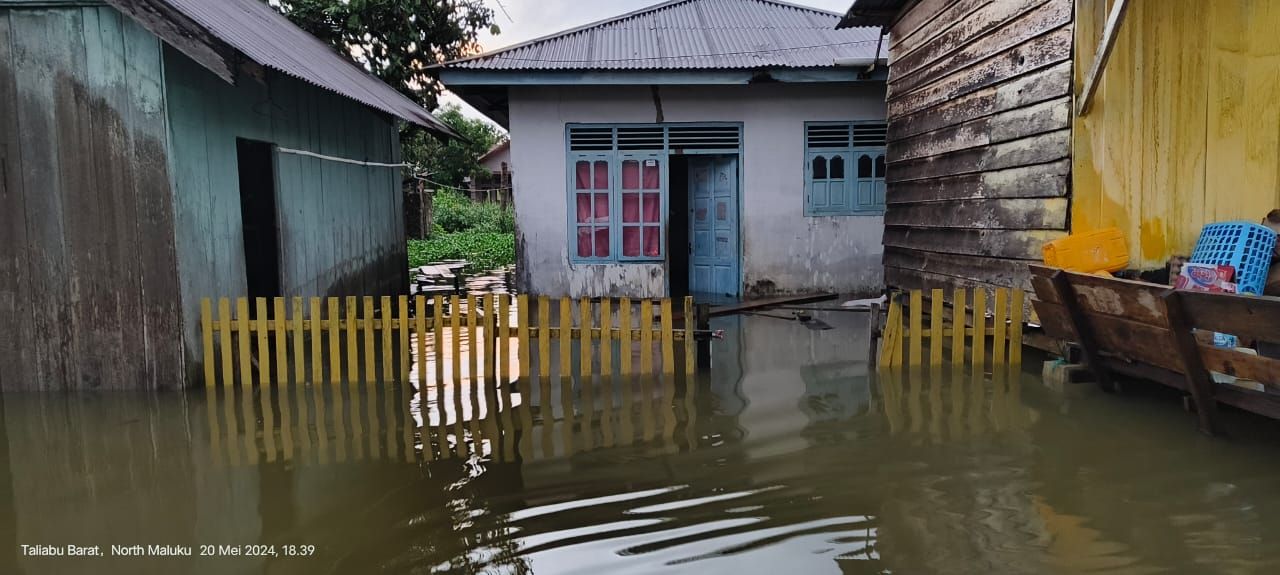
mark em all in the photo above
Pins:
pixel 787 458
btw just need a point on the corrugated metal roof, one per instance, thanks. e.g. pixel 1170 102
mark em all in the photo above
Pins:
pixel 871 13
pixel 268 38
pixel 691 35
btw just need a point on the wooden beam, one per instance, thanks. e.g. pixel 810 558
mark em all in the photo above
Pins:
pixel 183 33
pixel 754 304
pixel 1199 382
pixel 1062 287
pixel 1109 32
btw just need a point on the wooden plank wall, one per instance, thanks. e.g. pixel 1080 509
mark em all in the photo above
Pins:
pixel 979 101
pixel 342 228
pixel 1185 127
pixel 88 287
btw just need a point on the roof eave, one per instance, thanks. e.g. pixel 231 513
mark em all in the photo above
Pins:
pixel 881 13
pixel 465 77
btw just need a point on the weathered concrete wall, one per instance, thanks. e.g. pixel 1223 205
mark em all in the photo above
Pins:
pixel 341 224
pixel 783 251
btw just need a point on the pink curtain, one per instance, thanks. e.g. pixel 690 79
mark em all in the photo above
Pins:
pixel 630 175
pixel 631 241
pixel 602 242
pixel 584 242
pixel 630 207
pixel 652 241
pixel 652 176
pixel 652 208
pixel 583 172
pixel 602 208
pixel 602 175
pixel 584 208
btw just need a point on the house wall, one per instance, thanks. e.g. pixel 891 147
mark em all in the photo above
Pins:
pixel 88 287
pixel 782 250
pixel 494 162
pixel 341 226
pixel 979 100
pixel 1184 129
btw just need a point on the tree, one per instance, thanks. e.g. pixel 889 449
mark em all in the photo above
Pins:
pixel 397 40
pixel 448 163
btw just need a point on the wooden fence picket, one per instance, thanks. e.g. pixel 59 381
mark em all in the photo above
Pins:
pixel 907 325
pixel 265 340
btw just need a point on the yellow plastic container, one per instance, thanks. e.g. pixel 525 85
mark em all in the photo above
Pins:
pixel 1089 252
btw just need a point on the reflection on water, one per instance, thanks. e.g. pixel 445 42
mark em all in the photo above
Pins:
pixel 789 456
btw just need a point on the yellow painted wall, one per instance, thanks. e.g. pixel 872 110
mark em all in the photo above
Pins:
pixel 1184 129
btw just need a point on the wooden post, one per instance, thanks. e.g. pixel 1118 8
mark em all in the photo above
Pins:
pixel 370 357
pixel 606 338
pixel 335 340
pixel 935 327
pixel 280 325
pixel 406 323
pixel 420 329
pixel 544 339
pixel 242 341
pixel 299 346
pixel 690 358
pixel 526 386
pixel 473 350
pixel 437 334
pixel 224 340
pixel 388 361
pixel 958 311
pixel 317 360
pixel 668 336
pixel 1199 382
pixel 624 333
pixel 646 336
pixel 1067 295
pixel 489 352
pixel 917 328
pixel 1100 57
pixel 1001 326
pixel 1015 329
pixel 502 335
pixel 566 334
pixel 584 344
pixel 206 340
pixel 455 329
pixel 979 330
pixel 261 326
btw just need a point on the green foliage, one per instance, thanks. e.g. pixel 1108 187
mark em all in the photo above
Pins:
pixel 397 40
pixel 448 163
pixel 484 250
pixel 455 213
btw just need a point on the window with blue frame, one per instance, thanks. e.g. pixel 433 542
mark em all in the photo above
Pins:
pixel 844 168
pixel 618 190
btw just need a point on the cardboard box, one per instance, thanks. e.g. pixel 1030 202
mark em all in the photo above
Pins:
pixel 1206 277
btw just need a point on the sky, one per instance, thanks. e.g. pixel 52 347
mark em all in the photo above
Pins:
pixel 521 20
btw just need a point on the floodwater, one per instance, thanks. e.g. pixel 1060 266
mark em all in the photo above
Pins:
pixel 789 457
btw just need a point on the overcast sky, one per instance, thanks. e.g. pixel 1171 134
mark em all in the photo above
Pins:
pixel 528 19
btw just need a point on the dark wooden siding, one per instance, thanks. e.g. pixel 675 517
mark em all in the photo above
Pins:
pixel 88 279
pixel 979 140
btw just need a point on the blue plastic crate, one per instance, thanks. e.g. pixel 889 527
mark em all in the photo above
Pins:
pixel 1246 246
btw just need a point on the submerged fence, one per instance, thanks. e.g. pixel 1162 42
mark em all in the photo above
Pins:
pixel 401 339
pixel 967 332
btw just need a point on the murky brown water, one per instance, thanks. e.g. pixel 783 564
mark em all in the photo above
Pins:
pixel 789 458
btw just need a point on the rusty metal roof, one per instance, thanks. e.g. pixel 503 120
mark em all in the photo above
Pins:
pixel 265 36
pixel 691 35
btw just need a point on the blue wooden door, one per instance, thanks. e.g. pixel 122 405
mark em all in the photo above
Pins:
pixel 713 193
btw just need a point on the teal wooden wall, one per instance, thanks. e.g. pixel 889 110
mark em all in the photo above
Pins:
pixel 342 229
pixel 88 286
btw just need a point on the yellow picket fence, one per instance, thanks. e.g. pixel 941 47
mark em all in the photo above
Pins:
pixel 369 339
pixel 966 328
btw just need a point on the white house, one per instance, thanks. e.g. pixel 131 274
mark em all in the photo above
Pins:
pixel 714 147
pixel 498 159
